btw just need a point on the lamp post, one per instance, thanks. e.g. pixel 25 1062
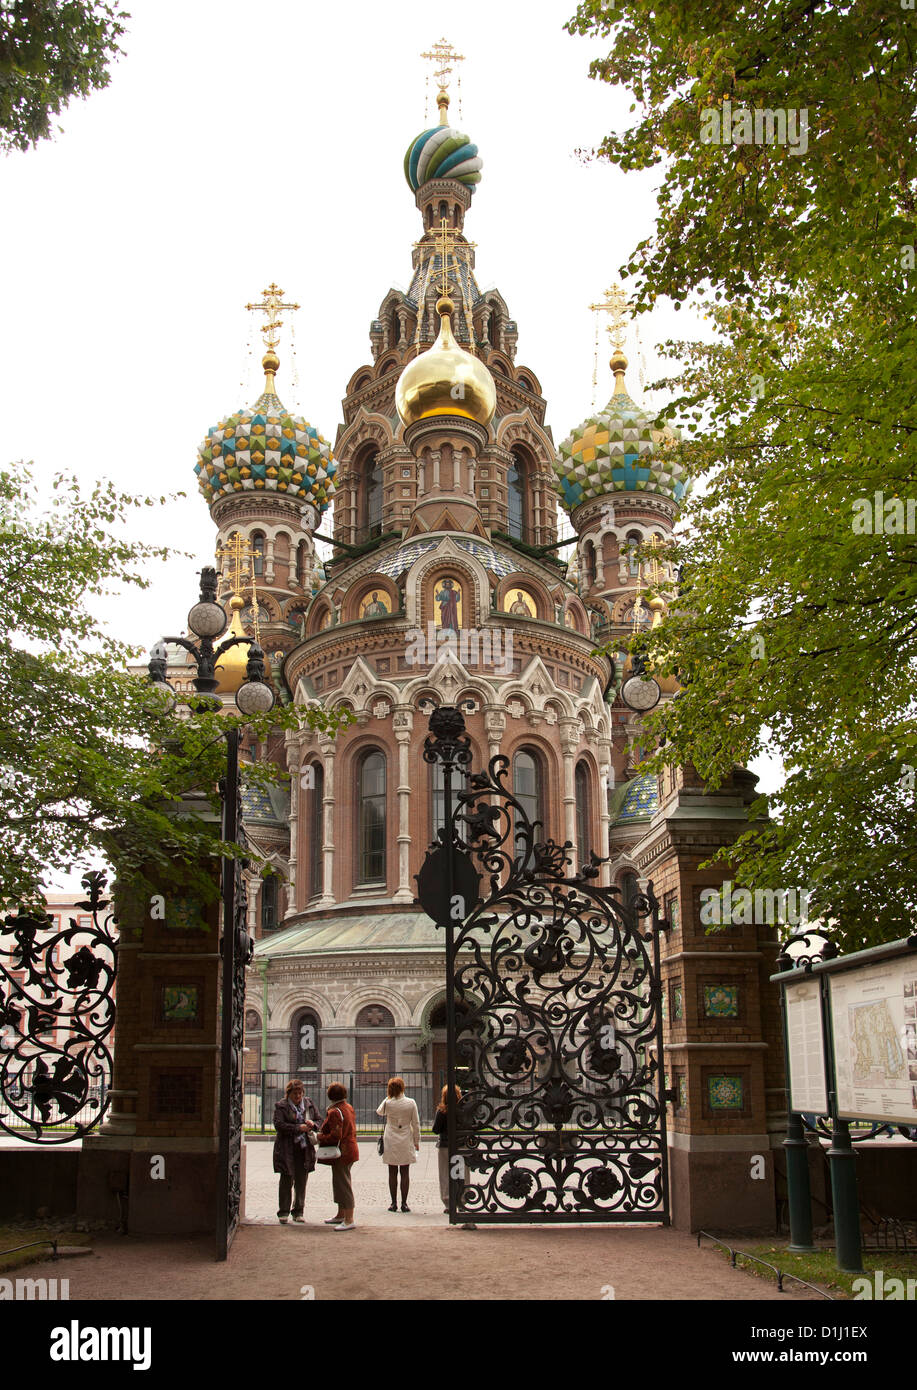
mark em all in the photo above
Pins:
pixel 207 620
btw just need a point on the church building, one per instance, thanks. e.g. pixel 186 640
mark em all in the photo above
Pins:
pixel 450 582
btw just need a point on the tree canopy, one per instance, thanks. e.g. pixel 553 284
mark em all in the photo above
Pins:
pixel 92 760
pixel 50 52
pixel 794 629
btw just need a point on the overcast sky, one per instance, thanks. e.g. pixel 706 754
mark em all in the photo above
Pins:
pixel 240 143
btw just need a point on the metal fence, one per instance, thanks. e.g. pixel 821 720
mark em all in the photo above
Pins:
pixel 365 1091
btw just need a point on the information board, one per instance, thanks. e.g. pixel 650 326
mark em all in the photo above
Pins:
pixel 874 1019
pixel 806 1048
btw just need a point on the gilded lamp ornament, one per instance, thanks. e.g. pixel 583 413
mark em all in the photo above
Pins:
pixel 446 380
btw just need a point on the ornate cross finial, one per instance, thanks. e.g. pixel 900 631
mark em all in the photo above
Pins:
pixel 615 304
pixel 238 550
pixel 445 57
pixel 273 306
pixel 445 246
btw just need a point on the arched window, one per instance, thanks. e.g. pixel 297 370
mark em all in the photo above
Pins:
pixel 589 564
pixel 443 209
pixel 515 499
pixel 305 1042
pixel 269 903
pixel 583 814
pixel 528 786
pixel 633 539
pixel 437 800
pixel 301 561
pixel 629 888
pixel 257 545
pixel 493 330
pixel 316 829
pixel 371 817
pixel 372 491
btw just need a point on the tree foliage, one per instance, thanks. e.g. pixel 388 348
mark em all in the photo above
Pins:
pixel 794 629
pixel 50 52
pixel 92 761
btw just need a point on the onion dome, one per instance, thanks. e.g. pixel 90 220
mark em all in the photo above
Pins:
pixel 637 800
pixel 232 666
pixel 618 450
pixel 266 449
pixel 442 153
pixel 446 380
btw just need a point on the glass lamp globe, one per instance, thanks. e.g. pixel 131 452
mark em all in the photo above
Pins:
pixel 165 692
pixel 255 697
pixel 207 619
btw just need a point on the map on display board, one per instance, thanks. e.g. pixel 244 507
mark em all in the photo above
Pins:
pixel 874 1018
pixel 806 1048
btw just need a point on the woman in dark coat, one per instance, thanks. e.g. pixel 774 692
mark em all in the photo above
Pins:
pixel 294 1156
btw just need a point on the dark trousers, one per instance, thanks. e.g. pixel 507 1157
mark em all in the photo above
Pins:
pixel 297 1182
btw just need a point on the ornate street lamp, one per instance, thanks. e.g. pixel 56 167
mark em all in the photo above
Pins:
pixel 207 620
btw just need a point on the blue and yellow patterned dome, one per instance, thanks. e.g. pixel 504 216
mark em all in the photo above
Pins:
pixel 619 449
pixel 442 153
pixel 266 449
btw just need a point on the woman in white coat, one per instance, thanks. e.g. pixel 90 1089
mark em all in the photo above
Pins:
pixel 400 1139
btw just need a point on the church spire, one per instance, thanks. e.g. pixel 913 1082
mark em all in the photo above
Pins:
pixel 444 56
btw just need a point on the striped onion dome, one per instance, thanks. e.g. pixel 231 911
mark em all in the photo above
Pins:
pixel 442 153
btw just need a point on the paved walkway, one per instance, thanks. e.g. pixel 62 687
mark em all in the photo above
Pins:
pixel 416 1257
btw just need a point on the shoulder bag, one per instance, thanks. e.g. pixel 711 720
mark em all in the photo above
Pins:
pixel 381 1144
pixel 327 1153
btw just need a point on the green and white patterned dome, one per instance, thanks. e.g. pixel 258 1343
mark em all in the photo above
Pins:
pixel 442 153
pixel 266 449
pixel 618 449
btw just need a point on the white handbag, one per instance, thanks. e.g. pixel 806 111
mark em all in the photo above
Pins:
pixel 327 1153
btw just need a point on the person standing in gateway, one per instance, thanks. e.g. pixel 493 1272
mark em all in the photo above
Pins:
pixel 400 1139
pixel 294 1156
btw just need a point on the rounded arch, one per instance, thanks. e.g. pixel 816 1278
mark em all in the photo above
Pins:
pixel 370 777
pixel 305 1041
pixel 544 605
pixel 387 364
pixel 378 584
pixel 319 619
pixel 364 996
pixel 300 996
pixel 418 595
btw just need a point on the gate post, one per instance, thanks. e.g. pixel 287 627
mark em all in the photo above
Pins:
pixel 156 1154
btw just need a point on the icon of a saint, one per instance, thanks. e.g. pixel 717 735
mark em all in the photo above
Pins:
pixel 520 606
pixel 448 600
pixel 375 608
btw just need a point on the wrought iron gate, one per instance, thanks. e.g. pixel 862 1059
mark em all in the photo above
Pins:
pixel 561 1115
pixel 236 948
pixel 57 1013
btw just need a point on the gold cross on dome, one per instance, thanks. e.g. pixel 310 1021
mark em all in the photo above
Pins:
pixel 615 304
pixel 238 551
pixel 273 306
pixel 445 246
pixel 445 57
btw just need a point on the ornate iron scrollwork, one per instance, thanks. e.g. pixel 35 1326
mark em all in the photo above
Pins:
pixel 57 1012
pixel 558 1053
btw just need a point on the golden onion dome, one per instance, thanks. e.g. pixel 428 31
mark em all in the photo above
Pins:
pixel 446 380
pixel 231 669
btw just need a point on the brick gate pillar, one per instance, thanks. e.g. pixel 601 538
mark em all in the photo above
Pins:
pixel 153 1163
pixel 723 1051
